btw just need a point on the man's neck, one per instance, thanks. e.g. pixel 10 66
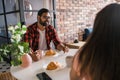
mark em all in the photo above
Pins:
pixel 40 27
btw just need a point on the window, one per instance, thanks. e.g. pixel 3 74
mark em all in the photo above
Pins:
pixel 11 14
pixel 31 8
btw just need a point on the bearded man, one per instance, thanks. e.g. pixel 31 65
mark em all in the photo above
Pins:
pixel 40 34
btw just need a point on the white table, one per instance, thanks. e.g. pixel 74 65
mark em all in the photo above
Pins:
pixel 37 67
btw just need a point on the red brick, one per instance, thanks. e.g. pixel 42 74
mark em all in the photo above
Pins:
pixel 75 14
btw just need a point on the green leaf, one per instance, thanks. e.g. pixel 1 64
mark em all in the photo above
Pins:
pixel 16 61
pixel 21 48
pixel 24 28
pixel 16 48
pixel 19 24
pixel 1 59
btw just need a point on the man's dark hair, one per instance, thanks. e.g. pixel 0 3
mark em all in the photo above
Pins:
pixel 43 10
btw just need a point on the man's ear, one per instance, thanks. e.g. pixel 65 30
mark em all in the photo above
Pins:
pixel 38 17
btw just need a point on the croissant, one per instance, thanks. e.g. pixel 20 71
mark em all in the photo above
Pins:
pixel 52 66
pixel 50 52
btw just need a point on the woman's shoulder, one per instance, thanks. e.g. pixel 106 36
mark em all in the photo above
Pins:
pixel 76 65
pixel 76 62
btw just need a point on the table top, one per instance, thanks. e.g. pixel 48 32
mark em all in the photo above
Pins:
pixel 76 45
pixel 30 72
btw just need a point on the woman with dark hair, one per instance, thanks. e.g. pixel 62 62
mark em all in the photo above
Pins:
pixel 99 58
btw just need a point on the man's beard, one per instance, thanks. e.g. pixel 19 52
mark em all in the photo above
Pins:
pixel 43 23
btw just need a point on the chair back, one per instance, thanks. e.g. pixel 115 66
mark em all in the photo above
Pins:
pixel 6 76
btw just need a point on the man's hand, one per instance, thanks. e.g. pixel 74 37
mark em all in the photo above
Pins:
pixel 37 55
pixel 65 49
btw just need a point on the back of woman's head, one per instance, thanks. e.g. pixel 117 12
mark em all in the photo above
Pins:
pixel 100 56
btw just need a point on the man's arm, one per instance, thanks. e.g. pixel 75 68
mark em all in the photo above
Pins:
pixel 27 37
pixel 58 44
pixel 62 47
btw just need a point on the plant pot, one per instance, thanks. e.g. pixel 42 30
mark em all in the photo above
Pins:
pixel 26 60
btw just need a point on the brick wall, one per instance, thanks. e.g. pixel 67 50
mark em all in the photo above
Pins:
pixel 75 15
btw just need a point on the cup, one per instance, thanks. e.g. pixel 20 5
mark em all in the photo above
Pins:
pixel 37 55
pixel 69 60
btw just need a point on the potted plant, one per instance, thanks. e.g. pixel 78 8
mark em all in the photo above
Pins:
pixel 16 48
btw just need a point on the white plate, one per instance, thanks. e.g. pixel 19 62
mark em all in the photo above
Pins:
pixel 56 55
pixel 52 55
